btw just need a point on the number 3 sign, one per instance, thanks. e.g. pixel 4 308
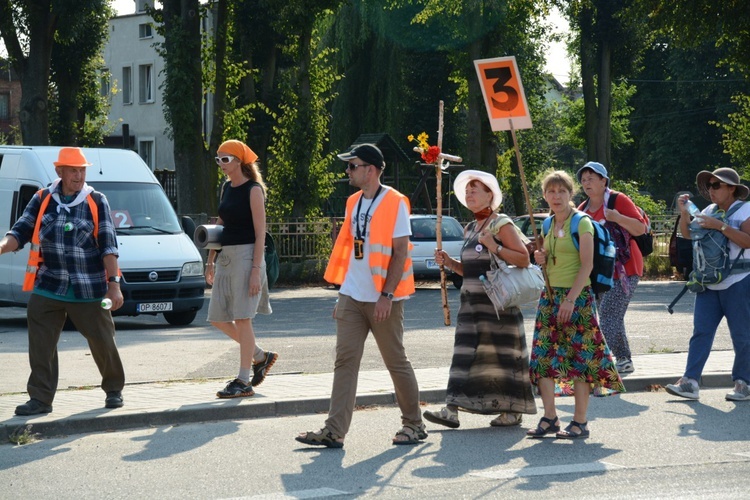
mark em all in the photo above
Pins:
pixel 503 93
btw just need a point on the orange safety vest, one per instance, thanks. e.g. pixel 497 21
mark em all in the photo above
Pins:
pixel 35 254
pixel 380 245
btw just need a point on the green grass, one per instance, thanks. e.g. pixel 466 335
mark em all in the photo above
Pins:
pixel 23 435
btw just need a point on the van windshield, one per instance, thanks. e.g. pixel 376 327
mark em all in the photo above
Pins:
pixel 139 208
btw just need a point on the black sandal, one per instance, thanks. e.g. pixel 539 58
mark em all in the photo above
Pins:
pixel 553 426
pixel 569 434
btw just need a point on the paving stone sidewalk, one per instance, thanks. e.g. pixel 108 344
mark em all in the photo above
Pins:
pixel 184 401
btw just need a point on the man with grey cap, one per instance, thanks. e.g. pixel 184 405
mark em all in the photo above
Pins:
pixel 371 261
pixel 728 298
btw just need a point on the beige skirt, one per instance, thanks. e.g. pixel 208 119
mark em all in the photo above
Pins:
pixel 230 294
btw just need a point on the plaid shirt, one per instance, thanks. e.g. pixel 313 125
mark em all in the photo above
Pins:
pixel 70 257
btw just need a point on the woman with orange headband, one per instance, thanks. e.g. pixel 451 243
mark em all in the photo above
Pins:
pixel 238 271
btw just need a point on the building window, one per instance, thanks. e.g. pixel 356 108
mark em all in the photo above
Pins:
pixel 145 31
pixel 146 150
pixel 127 85
pixel 104 87
pixel 146 83
pixel 4 107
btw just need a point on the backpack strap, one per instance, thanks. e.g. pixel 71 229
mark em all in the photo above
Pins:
pixel 546 224
pixel 575 219
pixel 612 198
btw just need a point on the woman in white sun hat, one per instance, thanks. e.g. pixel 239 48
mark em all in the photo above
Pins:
pixel 489 372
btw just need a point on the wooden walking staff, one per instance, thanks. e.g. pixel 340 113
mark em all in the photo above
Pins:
pixel 440 163
pixel 537 238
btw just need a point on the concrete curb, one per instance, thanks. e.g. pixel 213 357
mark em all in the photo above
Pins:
pixel 103 420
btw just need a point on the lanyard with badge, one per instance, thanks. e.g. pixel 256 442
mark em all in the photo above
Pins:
pixel 359 241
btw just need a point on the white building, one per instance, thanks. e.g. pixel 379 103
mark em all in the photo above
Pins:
pixel 135 68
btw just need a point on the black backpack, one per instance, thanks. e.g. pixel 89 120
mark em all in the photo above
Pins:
pixel 602 274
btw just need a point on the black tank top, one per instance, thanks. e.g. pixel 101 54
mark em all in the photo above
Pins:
pixel 234 210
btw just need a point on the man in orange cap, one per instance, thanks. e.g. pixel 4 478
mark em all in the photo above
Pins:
pixel 72 268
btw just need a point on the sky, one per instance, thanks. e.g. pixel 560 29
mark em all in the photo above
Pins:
pixel 558 63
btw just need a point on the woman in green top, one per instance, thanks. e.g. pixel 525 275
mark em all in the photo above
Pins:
pixel 569 355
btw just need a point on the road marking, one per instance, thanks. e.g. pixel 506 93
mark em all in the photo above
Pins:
pixel 549 470
pixel 316 493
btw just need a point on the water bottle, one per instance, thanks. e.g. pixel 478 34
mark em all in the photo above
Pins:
pixel 691 208
pixel 107 304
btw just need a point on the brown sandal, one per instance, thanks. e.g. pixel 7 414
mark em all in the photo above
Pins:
pixel 413 433
pixel 323 437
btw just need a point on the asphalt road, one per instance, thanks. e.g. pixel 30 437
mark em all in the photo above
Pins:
pixel 642 446
pixel 302 331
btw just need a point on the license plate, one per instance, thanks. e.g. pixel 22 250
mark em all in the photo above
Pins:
pixel 154 307
pixel 431 264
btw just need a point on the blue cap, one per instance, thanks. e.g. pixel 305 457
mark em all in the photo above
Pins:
pixel 594 167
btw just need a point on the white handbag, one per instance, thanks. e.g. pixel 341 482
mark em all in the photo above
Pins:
pixel 511 286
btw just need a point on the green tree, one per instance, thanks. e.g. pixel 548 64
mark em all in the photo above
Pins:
pixel 609 39
pixel 78 111
pixel 183 97
pixel 29 30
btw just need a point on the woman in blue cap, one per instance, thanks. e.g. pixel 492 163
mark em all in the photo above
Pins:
pixel 617 212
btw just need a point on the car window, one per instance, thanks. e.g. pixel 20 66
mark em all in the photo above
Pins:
pixel 452 230
pixel 424 229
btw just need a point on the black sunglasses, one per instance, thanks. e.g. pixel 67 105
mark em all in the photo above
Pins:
pixel 714 185
pixel 352 166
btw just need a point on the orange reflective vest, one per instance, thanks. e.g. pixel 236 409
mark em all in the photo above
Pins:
pixel 380 245
pixel 35 254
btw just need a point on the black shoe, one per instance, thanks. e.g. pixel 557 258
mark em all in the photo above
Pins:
pixel 260 370
pixel 236 389
pixel 114 400
pixel 33 407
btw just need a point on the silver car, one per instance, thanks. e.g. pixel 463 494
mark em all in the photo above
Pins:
pixel 424 239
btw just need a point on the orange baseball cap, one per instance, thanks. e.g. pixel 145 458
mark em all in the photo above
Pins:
pixel 71 157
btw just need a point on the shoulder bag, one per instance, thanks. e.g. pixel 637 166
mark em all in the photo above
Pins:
pixel 511 286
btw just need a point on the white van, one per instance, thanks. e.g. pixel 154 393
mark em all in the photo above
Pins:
pixel 162 270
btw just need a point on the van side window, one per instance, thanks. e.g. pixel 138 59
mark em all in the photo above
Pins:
pixel 25 194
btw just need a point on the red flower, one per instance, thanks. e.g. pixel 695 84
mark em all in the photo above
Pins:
pixel 431 155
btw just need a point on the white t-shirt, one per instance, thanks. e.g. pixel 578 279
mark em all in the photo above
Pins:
pixel 735 221
pixel 358 283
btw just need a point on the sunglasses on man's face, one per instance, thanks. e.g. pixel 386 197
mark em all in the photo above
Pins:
pixel 353 166
pixel 224 159
pixel 714 185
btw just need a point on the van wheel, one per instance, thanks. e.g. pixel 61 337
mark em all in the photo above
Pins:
pixel 180 318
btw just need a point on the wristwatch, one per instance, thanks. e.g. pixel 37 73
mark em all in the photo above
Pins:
pixel 723 227
pixel 113 279
pixel 387 295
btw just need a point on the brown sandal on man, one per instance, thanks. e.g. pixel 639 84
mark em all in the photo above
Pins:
pixel 323 437
pixel 413 434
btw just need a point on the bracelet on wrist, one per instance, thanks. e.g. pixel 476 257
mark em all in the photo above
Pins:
pixel 256 267
pixel 209 264
pixel 568 300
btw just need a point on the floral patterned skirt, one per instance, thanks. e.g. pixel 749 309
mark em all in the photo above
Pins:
pixel 573 351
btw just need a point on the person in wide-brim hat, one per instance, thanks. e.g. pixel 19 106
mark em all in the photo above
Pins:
pixel 726 175
pixel 464 178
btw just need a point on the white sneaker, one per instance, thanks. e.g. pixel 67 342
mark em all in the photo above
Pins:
pixel 683 388
pixel 741 391
pixel 625 365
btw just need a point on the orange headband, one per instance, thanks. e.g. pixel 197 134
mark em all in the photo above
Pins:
pixel 239 150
